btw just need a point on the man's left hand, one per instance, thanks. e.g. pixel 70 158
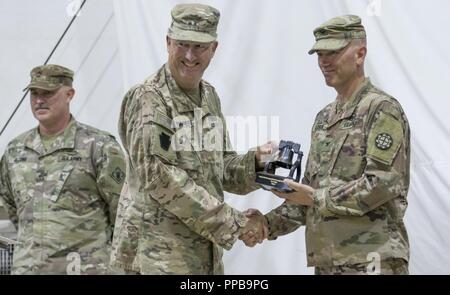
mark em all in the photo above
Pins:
pixel 302 194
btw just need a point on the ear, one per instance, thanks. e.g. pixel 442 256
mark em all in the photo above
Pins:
pixel 214 47
pixel 361 55
pixel 70 94
pixel 168 41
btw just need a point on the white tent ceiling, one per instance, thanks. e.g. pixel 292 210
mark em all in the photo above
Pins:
pixel 261 68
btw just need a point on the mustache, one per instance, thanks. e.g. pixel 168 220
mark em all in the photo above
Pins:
pixel 41 107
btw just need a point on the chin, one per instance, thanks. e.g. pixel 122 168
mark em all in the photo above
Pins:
pixel 42 118
pixel 191 74
pixel 39 117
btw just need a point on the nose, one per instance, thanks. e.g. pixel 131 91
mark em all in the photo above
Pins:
pixel 190 55
pixel 38 100
pixel 324 61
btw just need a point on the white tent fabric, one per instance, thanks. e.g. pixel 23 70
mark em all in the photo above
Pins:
pixel 262 72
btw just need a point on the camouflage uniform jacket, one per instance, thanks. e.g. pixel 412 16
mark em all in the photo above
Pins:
pixel 358 165
pixel 63 200
pixel 171 217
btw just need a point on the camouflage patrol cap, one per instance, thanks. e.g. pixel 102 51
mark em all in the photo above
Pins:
pixel 194 22
pixel 337 33
pixel 50 77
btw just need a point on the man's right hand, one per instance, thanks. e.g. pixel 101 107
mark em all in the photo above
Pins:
pixel 256 229
pixel 264 153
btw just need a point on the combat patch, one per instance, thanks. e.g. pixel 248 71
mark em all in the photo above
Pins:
pixel 160 132
pixel 164 141
pixel 384 139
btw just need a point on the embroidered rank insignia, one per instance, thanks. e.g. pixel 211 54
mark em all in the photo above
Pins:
pixel 118 175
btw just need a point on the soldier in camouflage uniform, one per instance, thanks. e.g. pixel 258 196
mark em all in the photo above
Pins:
pixel 353 196
pixel 60 183
pixel 171 217
pixel 6 227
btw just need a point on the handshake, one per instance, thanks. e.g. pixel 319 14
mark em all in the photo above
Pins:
pixel 256 230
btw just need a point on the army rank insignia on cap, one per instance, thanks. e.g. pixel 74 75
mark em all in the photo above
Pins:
pixel 118 175
pixel 383 141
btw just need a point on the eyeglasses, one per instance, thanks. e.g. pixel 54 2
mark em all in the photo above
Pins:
pixel 196 48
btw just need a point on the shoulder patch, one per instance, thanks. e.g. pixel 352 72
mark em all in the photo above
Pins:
pixel 383 141
pixel 160 133
pixel 118 175
pixel 164 141
pixel 385 138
